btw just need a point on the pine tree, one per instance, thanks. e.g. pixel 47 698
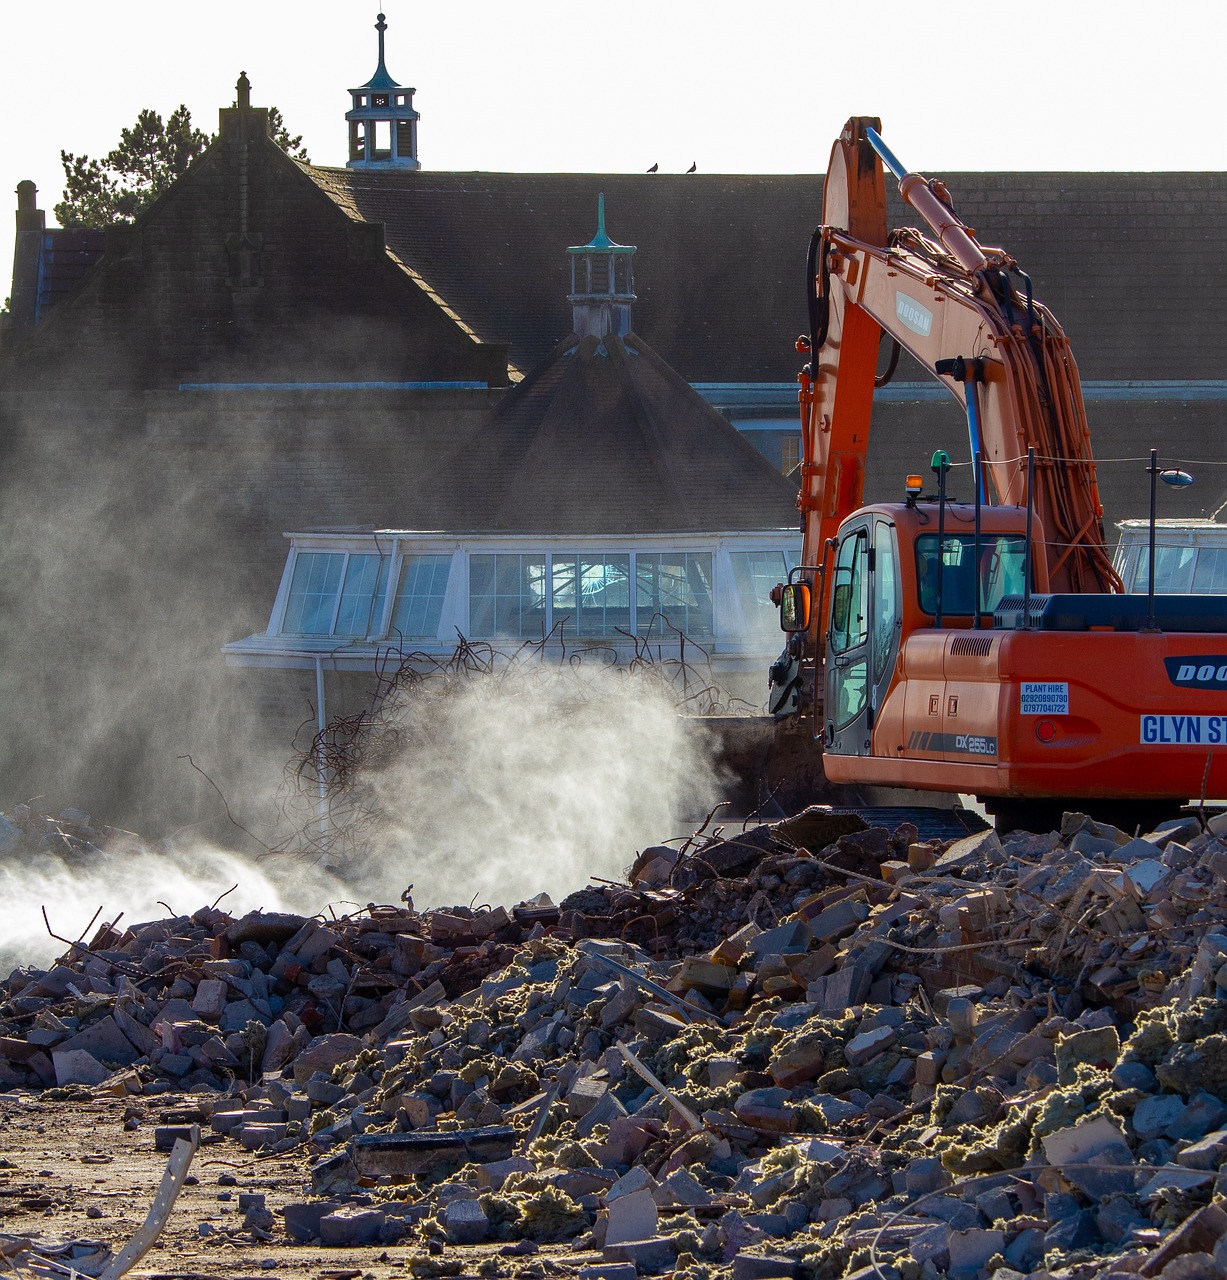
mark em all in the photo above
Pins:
pixel 149 157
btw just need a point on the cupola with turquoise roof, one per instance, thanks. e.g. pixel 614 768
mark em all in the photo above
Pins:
pixel 602 283
pixel 383 126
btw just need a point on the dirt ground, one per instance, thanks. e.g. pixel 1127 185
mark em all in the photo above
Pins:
pixel 70 1170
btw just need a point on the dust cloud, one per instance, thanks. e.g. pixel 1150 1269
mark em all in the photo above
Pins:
pixel 138 886
pixel 489 789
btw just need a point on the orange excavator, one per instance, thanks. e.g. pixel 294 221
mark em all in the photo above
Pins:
pixel 979 647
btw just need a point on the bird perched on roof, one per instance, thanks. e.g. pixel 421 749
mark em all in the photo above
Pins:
pixel 694 164
pixel 654 168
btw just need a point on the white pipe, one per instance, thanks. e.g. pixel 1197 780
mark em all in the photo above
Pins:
pixel 321 759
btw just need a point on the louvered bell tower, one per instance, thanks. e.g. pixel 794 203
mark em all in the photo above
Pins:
pixel 383 126
pixel 602 283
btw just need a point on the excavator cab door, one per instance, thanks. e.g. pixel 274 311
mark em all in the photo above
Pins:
pixel 862 635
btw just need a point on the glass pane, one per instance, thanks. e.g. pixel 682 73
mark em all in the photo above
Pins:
pixel 677 585
pixel 849 595
pixel 419 599
pixel 565 571
pixel 1173 570
pixel 507 597
pixel 604 594
pixel 755 573
pixel 591 593
pixel 1002 570
pixel 313 593
pixel 1210 576
pixel 850 691
pixel 366 577
pixel 885 600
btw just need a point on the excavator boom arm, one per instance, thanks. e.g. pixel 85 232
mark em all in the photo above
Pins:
pixel 958 308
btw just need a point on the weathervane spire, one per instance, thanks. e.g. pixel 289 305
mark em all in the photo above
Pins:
pixel 381 26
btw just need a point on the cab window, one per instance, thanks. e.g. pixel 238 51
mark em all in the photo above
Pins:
pixel 849 594
pixel 885 599
pixel 1002 570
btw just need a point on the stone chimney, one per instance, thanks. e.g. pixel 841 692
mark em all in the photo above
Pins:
pixel 27 256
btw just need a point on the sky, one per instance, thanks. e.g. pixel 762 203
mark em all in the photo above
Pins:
pixel 543 85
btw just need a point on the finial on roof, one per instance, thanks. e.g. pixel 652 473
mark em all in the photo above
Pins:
pixel 243 90
pixel 601 240
pixel 381 26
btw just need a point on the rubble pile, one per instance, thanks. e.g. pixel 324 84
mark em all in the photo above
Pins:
pixel 814 1049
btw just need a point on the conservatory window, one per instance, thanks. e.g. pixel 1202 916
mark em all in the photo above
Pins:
pixel 591 592
pixel 755 573
pixel 507 596
pixel 1173 570
pixel 676 584
pixel 419 597
pixel 1210 575
pixel 334 594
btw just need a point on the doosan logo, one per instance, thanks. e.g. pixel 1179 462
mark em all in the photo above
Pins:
pixel 917 318
pixel 1198 671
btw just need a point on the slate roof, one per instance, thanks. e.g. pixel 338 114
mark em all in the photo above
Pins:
pixel 1129 262
pixel 605 438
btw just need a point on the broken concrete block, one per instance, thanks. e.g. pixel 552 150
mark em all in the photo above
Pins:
pixel 1098 1047
pixel 929 1067
pixel 767 1110
pixel 1087 1140
pixel 846 988
pixel 76 1066
pixel 637 1178
pixel 790 938
pixel 971 1249
pixel 609 1271
pixel 1155 1116
pixel 930 1245
pixel 706 976
pixel 722 1071
pixel 839 920
pixel 409 1154
pixel 465 1221
pixel 758 1266
pixel 351 1227
pixel 1204 1114
pixel 324 1053
pixel 925 1175
pixel 649 1256
pixel 799 1062
pixel 210 999
pixel 632 1216
pixel 1209 1152
pixel 604 1111
pixel 583 1095
pixel 302 1221
pixel 860 1049
pixel 628 1138
pixel 278 1048
pixel 984 845
pixel 681 1187
pixel 105 1041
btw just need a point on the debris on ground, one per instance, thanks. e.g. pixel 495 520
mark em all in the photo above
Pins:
pixel 814 1049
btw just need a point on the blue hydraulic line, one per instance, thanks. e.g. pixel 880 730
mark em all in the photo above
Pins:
pixel 973 430
pixel 889 159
